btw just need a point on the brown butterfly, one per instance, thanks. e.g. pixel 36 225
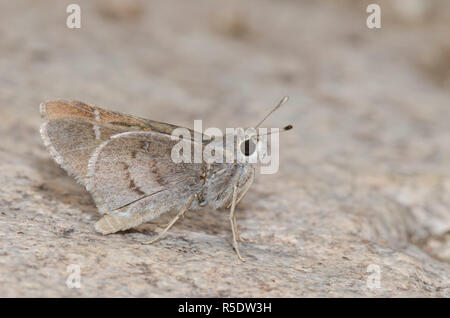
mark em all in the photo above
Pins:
pixel 125 163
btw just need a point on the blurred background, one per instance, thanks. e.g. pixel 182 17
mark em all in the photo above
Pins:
pixel 368 159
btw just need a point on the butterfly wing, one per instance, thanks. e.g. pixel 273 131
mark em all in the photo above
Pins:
pixel 73 130
pixel 134 171
pixel 125 162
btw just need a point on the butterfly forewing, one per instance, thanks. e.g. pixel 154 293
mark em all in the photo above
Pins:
pixel 73 130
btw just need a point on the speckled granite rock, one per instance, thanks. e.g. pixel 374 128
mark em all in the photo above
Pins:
pixel 364 177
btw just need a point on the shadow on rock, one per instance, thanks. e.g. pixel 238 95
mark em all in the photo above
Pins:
pixel 57 185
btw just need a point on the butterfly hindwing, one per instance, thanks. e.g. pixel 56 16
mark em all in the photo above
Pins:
pixel 134 171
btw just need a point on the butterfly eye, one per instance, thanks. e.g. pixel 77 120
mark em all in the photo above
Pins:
pixel 248 147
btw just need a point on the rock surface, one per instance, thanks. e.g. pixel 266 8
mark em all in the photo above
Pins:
pixel 364 180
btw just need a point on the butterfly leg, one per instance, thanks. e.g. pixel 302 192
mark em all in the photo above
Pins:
pixel 244 192
pixel 238 236
pixel 248 186
pixel 175 219
pixel 233 223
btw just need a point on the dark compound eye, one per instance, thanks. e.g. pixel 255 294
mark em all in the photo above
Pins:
pixel 248 147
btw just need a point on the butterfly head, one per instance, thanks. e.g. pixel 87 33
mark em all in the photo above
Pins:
pixel 253 143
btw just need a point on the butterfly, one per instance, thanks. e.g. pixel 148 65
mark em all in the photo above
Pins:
pixel 125 163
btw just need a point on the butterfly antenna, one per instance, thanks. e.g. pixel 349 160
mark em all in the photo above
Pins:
pixel 282 101
pixel 285 128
